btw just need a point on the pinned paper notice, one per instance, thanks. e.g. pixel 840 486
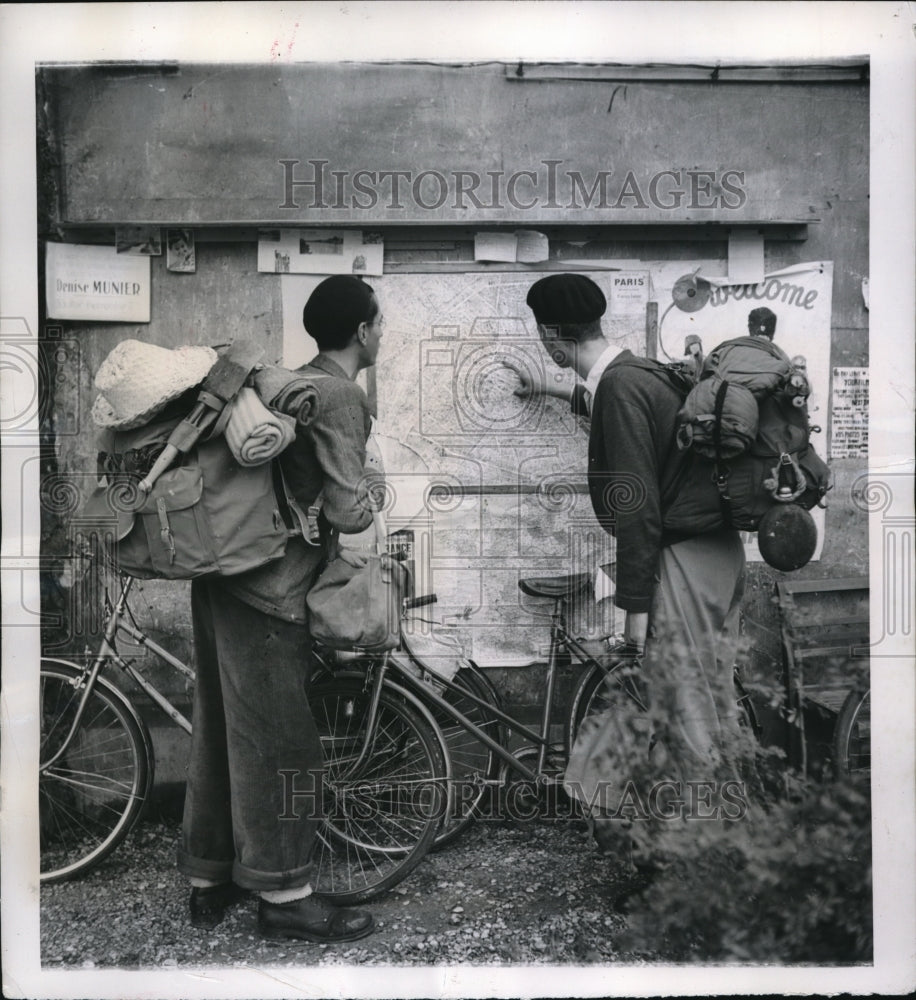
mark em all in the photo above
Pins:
pixel 96 283
pixel 180 252
pixel 849 420
pixel 319 251
pixel 532 246
pixel 629 293
pixel 524 246
pixel 495 246
pixel 745 258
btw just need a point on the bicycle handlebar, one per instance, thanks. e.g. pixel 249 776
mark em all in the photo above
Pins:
pixel 419 602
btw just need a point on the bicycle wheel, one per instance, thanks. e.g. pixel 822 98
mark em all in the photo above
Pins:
pixel 852 737
pixel 596 694
pixel 473 762
pixel 90 795
pixel 380 821
pixel 747 715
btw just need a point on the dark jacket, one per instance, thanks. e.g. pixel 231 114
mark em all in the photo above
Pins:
pixel 327 458
pixel 644 490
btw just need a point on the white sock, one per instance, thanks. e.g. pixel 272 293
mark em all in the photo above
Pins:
pixel 286 895
pixel 204 883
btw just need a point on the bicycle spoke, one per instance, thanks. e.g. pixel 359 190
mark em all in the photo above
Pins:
pixel 91 794
pixel 58 714
pixel 379 816
pixel 389 821
pixel 112 787
pixel 58 809
pixel 77 819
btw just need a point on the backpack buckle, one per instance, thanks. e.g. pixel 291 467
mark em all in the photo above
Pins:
pixel 165 529
pixel 720 478
pixel 786 482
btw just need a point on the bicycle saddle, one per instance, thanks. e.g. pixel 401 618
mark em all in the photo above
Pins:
pixel 555 586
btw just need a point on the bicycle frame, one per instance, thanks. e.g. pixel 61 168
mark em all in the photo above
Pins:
pixel 118 624
pixel 108 652
pixel 376 693
pixel 405 677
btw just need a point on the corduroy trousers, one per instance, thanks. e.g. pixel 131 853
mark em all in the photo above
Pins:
pixel 254 780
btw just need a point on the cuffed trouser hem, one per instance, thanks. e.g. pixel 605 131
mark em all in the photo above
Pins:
pixel 250 878
pixel 215 871
pixel 247 878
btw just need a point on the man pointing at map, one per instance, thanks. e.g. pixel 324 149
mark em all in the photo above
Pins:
pixel 680 590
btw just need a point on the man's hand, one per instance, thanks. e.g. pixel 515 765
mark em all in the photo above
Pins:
pixel 533 384
pixel 636 628
pixel 352 557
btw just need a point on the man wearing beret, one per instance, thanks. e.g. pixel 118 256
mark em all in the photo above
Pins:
pixel 680 589
pixel 252 720
pixel 761 322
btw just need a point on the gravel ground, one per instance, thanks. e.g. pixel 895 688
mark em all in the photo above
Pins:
pixel 540 894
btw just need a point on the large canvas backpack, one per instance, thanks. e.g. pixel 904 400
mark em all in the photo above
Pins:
pixel 205 514
pixel 744 422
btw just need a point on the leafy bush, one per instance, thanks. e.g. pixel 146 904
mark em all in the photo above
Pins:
pixel 789 883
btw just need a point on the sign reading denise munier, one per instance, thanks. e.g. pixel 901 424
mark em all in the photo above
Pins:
pixel 96 283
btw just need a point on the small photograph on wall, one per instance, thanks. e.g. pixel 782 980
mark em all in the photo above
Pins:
pixel 146 241
pixel 181 254
pixel 320 251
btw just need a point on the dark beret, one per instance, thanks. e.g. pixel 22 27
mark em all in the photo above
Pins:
pixel 336 306
pixel 566 298
pixel 761 321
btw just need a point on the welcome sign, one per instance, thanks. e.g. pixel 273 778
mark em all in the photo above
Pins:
pixel 96 283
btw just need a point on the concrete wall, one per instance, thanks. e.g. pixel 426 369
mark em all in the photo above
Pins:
pixel 204 143
pixel 200 146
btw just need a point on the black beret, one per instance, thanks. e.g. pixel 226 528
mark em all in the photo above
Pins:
pixel 762 321
pixel 566 298
pixel 337 306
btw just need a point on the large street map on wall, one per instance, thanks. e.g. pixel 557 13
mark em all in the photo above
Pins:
pixel 492 485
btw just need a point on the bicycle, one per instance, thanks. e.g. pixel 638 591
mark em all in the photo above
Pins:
pixel 392 731
pixel 489 763
pixel 385 768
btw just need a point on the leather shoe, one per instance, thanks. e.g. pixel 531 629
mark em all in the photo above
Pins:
pixel 209 903
pixel 313 919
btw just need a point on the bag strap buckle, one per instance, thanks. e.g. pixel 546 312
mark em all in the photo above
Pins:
pixel 165 529
pixel 786 481
pixel 720 478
